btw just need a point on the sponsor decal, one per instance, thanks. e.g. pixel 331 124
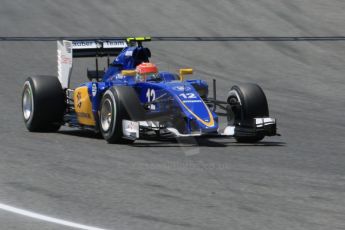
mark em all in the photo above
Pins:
pixel 83 115
pixel 181 88
pixel 94 89
pixel 132 125
pixel 98 44
pixel 79 100
pixel 114 44
pixel 191 101
pixel 66 60
pixel 84 45
pixel 129 53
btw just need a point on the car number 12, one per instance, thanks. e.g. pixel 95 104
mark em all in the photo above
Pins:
pixel 187 95
pixel 151 96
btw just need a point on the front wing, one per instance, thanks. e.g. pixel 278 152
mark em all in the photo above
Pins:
pixel 261 126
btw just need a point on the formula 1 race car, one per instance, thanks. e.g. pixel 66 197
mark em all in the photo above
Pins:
pixel 131 98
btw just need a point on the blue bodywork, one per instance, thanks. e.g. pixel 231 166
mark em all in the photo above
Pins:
pixel 189 113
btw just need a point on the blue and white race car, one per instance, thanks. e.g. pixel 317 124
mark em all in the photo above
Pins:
pixel 132 99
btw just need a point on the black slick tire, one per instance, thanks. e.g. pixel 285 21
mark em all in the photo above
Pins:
pixel 43 104
pixel 253 105
pixel 112 112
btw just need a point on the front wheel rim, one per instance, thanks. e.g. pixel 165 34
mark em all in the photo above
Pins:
pixel 106 114
pixel 27 103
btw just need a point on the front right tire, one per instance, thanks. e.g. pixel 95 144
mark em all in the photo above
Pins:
pixel 253 104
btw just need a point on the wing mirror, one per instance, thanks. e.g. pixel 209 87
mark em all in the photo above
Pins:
pixel 185 72
pixel 130 73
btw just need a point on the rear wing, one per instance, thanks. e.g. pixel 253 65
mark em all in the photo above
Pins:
pixel 67 50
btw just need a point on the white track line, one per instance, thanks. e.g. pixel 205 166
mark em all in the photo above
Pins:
pixel 46 218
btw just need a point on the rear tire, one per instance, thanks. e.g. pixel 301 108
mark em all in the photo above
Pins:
pixel 112 112
pixel 43 104
pixel 253 104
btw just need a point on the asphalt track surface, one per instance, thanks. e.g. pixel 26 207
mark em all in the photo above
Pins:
pixel 296 181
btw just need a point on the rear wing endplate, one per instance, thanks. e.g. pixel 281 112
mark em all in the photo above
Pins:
pixel 67 50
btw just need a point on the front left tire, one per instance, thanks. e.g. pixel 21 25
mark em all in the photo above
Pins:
pixel 112 112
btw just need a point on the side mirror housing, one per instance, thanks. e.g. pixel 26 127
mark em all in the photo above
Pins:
pixel 185 72
pixel 130 73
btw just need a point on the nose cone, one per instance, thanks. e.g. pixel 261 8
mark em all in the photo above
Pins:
pixel 194 107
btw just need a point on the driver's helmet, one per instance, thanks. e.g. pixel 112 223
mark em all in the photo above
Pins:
pixel 146 70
